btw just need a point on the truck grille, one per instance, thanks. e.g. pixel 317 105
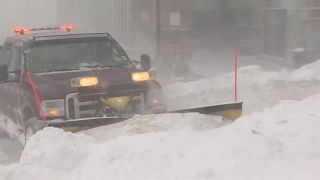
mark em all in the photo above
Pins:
pixel 78 109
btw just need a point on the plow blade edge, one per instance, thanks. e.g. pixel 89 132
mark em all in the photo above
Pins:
pixel 231 111
pixel 84 124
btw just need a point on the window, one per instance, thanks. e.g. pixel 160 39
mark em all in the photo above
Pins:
pixel 5 53
pixel 15 61
pixel 51 56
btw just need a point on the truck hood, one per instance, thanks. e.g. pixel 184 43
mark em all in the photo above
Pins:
pixel 56 85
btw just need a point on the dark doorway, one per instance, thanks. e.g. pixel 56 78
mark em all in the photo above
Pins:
pixel 274 32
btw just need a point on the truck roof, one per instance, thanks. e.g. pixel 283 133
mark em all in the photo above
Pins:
pixel 45 35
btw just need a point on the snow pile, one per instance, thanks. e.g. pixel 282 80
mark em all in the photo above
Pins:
pixel 308 72
pixel 257 88
pixel 190 122
pixel 282 142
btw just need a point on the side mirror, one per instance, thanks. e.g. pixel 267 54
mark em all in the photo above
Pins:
pixel 3 73
pixel 145 62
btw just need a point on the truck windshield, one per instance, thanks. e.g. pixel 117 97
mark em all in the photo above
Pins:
pixel 59 56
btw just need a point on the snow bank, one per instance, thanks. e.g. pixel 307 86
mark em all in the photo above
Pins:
pixel 158 123
pixel 282 142
pixel 308 72
pixel 257 88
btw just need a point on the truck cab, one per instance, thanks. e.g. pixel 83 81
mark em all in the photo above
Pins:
pixel 52 74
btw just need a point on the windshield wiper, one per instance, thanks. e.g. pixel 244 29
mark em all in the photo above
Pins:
pixel 101 65
pixel 61 69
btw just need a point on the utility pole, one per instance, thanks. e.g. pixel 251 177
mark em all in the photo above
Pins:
pixel 158 28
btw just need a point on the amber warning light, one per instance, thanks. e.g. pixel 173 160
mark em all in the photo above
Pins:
pixel 24 30
pixel 20 30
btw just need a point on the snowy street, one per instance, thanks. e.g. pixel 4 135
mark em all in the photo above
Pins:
pixel 269 145
pixel 222 62
pixel 260 84
pixel 160 89
pixel 278 136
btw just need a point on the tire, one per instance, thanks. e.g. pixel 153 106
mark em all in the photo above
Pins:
pixel 32 126
pixel 29 130
pixel 3 134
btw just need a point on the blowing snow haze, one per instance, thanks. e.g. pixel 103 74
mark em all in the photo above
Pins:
pixel 175 118
pixel 26 13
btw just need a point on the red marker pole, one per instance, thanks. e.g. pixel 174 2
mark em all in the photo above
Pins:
pixel 236 75
pixel 37 97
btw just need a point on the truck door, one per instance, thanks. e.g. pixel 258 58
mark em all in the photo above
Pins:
pixel 4 60
pixel 11 88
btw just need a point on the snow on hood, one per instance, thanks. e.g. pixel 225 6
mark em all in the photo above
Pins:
pixel 257 88
pixel 280 143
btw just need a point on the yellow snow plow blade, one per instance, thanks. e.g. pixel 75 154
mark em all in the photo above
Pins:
pixel 119 103
pixel 231 111
pixel 84 124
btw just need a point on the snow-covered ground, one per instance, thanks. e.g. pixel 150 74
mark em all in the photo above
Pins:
pixel 257 88
pixel 277 138
pixel 280 143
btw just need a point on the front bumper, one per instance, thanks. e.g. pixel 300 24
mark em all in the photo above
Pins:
pixel 88 123
pixel 75 125
pixel 77 107
pixel 158 109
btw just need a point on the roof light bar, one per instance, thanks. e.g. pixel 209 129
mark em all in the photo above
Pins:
pixel 22 31
pixel 72 36
pixel 68 28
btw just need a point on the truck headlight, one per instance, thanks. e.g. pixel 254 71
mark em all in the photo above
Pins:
pixel 143 76
pixel 53 108
pixel 84 81
pixel 155 97
pixel 140 76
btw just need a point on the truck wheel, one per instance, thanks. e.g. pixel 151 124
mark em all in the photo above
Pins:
pixel 3 134
pixel 29 130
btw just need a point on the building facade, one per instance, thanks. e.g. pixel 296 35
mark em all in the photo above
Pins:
pixel 290 30
pixel 274 28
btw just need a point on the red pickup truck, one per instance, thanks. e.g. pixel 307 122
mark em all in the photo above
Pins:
pixel 49 74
